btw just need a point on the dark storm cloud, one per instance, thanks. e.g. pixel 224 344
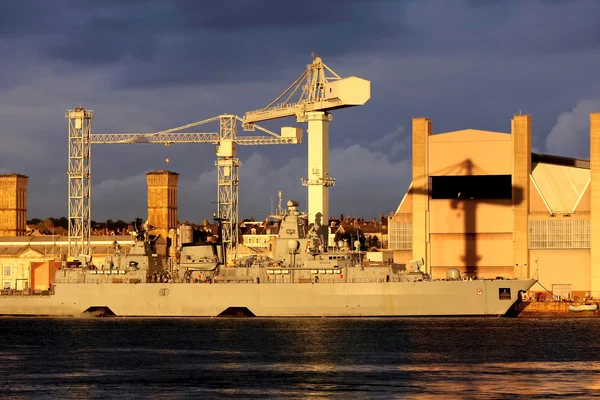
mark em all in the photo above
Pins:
pixel 159 43
pixel 149 65
pixel 156 43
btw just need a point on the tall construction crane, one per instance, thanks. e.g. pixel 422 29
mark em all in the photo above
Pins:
pixel 317 91
pixel 79 171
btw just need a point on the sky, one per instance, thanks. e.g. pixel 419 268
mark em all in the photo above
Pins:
pixel 146 66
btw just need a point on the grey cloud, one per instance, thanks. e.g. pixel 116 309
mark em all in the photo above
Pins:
pixel 166 43
pixel 357 170
pixel 156 43
pixel 235 15
pixel 396 142
pixel 511 27
pixel 151 65
pixel 570 136
pixel 14 147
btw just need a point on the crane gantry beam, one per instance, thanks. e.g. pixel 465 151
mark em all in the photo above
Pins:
pixel 80 139
pixel 181 137
pixel 317 91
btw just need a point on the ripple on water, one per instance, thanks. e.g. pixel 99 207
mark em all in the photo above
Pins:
pixel 304 358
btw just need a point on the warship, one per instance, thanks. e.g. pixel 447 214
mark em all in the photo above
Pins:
pixel 305 277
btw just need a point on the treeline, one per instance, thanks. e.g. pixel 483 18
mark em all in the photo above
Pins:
pixel 59 226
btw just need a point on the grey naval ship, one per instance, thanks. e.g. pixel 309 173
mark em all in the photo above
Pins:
pixel 303 278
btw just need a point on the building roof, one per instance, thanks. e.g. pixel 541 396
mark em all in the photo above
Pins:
pixel 13 175
pixel 560 186
pixel 47 245
pixel 50 239
pixel 559 160
pixel 561 181
pixel 469 135
pixel 161 172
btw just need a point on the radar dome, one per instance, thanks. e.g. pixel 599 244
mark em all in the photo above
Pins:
pixel 453 274
pixel 293 245
pixel 292 203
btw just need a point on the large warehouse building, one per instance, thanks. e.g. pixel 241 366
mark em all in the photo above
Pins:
pixel 483 203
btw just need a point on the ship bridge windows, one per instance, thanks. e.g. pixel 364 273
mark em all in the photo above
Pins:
pixel 472 187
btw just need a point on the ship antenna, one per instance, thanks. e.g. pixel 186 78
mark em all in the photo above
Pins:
pixel 279 207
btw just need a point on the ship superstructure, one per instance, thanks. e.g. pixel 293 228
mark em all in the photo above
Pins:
pixel 304 277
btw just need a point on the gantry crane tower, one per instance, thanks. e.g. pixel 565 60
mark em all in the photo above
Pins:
pixel 317 91
pixel 79 170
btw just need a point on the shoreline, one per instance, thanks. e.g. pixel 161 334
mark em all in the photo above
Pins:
pixel 555 309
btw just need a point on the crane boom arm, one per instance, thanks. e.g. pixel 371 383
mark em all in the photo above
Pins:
pixel 170 136
pixel 253 140
pixel 178 137
pixel 318 88
pixel 294 109
pixel 161 138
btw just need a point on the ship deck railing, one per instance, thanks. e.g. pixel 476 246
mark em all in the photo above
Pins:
pixel 25 292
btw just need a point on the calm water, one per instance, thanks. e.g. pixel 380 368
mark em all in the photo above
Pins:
pixel 299 358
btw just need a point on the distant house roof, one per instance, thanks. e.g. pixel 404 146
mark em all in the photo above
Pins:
pixel 46 245
pixel 50 239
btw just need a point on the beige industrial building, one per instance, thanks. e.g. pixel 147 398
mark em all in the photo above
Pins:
pixel 482 202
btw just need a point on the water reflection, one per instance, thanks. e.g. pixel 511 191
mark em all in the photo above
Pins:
pixel 307 358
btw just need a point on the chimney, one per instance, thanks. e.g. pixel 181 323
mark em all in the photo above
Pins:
pixel 13 204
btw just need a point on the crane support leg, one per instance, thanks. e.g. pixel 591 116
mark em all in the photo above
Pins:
pixel 228 203
pixel 228 181
pixel 79 172
pixel 318 180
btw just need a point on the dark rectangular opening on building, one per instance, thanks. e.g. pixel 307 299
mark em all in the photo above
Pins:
pixel 504 293
pixel 472 187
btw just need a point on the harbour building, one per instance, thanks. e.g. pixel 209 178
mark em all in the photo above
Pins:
pixel 483 203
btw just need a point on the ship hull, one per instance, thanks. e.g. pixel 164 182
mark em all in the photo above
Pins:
pixel 423 298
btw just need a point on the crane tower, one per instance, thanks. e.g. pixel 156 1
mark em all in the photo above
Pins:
pixel 317 91
pixel 79 171
pixel 226 140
